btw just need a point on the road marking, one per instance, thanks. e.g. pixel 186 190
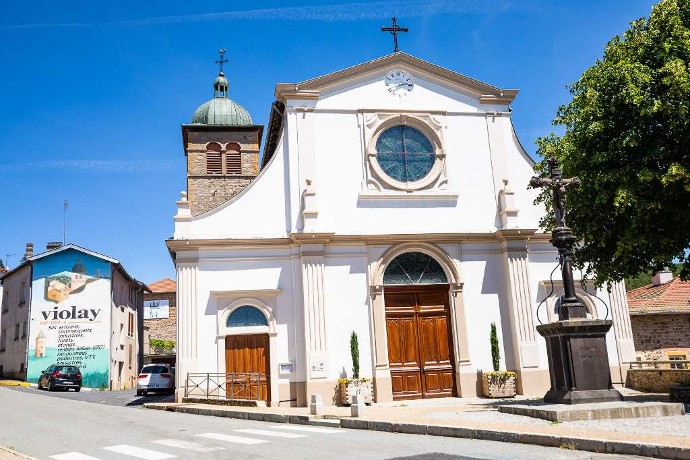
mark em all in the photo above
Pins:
pixel 310 429
pixel 73 456
pixel 230 438
pixel 188 445
pixel 275 434
pixel 138 452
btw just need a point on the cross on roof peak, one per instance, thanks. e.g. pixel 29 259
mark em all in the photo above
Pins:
pixel 394 29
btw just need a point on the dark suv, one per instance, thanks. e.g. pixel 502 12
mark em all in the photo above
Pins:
pixel 60 376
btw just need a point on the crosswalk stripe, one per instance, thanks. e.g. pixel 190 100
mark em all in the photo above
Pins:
pixel 275 434
pixel 309 429
pixel 138 452
pixel 230 438
pixel 187 445
pixel 73 456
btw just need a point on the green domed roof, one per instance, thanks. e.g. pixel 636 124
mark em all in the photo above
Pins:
pixel 221 110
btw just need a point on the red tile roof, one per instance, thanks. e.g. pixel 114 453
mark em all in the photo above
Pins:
pixel 164 285
pixel 671 297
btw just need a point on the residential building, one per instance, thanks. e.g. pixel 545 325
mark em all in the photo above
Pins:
pixel 660 317
pixel 392 201
pixel 71 305
pixel 160 322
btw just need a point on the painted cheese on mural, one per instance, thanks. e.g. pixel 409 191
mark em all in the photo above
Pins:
pixel 70 322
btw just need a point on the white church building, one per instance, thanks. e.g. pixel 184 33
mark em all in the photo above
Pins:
pixel 391 201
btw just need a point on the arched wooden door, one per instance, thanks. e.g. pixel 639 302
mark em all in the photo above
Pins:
pixel 420 351
pixel 247 367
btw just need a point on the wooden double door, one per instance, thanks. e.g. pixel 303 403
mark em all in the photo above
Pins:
pixel 420 341
pixel 247 367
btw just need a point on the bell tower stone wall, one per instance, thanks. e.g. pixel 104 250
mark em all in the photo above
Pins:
pixel 206 190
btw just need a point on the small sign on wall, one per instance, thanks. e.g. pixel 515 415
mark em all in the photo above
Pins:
pixel 156 309
pixel 318 367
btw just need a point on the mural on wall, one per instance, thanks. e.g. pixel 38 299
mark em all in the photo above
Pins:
pixel 70 322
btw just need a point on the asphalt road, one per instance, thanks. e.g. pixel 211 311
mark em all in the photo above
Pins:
pixel 113 425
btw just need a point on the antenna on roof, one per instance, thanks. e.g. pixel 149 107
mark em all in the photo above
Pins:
pixel 64 222
pixel 7 260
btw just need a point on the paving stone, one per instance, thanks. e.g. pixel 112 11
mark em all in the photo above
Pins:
pixel 539 439
pixel 381 426
pixel 450 431
pixel 356 424
pixel 299 419
pixel 410 428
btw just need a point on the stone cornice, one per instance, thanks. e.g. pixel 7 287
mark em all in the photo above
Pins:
pixel 182 245
pixel 309 89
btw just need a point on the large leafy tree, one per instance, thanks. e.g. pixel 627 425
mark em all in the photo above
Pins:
pixel 627 137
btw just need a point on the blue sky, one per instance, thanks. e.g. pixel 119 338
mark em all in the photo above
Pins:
pixel 92 94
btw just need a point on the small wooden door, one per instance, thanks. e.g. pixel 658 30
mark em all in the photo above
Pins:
pixel 420 351
pixel 247 367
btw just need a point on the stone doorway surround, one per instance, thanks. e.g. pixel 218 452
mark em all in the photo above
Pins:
pixel 264 301
pixel 465 375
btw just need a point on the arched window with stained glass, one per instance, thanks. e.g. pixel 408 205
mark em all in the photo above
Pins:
pixel 246 316
pixel 414 268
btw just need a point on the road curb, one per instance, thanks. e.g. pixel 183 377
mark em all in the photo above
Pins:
pixel 546 440
pixel 13 383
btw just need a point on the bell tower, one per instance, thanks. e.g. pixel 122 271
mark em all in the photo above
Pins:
pixel 222 148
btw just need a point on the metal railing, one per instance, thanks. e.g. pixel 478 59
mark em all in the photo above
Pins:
pixel 235 385
pixel 659 364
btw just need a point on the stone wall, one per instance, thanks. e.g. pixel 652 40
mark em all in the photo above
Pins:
pixel 208 191
pixel 656 336
pixel 655 380
pixel 163 328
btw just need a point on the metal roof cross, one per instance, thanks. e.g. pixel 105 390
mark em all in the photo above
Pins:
pixel 395 29
pixel 221 60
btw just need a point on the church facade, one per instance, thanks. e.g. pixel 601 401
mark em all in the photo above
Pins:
pixel 391 201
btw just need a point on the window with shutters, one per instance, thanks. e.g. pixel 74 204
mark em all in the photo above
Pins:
pixel 233 158
pixel 214 160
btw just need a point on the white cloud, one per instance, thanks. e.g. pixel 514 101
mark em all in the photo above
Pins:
pixel 323 13
pixel 102 166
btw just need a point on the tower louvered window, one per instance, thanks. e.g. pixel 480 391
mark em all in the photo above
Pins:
pixel 233 159
pixel 214 162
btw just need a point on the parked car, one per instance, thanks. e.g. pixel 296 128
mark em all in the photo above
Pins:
pixel 60 376
pixel 156 377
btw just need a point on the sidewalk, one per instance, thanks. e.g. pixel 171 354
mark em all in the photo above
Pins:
pixel 478 418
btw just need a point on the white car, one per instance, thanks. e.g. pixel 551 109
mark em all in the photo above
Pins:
pixel 156 377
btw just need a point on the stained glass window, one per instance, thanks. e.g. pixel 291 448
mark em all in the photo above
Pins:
pixel 414 268
pixel 405 154
pixel 246 315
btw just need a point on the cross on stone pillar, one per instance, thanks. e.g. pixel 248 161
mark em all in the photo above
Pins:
pixel 562 238
pixel 395 29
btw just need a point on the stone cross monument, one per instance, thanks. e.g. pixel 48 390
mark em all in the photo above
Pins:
pixel 576 346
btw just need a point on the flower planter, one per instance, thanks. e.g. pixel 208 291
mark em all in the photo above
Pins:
pixel 499 384
pixel 356 387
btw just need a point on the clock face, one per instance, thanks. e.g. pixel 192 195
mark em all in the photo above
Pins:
pixel 399 82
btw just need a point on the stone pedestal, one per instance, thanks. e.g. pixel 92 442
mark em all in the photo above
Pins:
pixel 578 362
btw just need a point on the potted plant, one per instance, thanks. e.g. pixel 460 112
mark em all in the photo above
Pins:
pixel 356 385
pixel 498 384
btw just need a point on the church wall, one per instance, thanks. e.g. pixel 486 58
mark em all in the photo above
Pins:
pixel 347 310
pixel 258 211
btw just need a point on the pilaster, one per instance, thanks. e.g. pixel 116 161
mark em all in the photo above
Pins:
pixel 187 331
pixel 316 359
pixel 514 248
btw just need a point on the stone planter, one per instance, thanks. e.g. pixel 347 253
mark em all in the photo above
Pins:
pixel 499 384
pixel 349 388
pixel 679 393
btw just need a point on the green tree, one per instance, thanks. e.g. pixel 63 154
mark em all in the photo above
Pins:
pixel 354 351
pixel 627 137
pixel 495 351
